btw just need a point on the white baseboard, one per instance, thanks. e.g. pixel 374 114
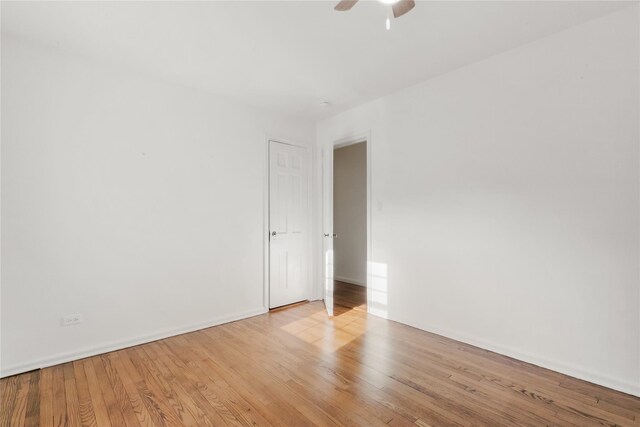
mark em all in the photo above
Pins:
pixel 118 345
pixel 554 365
pixel 351 281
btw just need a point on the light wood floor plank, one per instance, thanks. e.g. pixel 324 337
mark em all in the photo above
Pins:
pixel 8 394
pixel 87 415
pixel 71 396
pixel 32 415
pixel 46 397
pixel 101 412
pixel 59 397
pixel 20 405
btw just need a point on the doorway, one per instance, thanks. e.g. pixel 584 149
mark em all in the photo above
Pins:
pixel 350 227
pixel 346 224
pixel 288 224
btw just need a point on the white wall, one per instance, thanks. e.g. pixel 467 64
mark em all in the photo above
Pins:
pixel 506 201
pixel 135 203
pixel 350 213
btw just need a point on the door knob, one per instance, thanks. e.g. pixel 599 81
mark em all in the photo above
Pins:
pixel 273 233
pixel 326 234
pixel 334 235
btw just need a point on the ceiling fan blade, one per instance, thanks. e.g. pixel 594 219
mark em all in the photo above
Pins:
pixel 402 7
pixel 345 5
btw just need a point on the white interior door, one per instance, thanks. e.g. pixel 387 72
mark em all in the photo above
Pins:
pixel 327 227
pixel 288 224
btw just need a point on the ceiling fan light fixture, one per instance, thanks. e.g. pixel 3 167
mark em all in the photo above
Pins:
pixel 388 1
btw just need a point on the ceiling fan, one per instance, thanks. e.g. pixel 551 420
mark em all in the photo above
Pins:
pixel 399 7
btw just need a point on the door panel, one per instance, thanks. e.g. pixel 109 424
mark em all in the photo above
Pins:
pixel 288 224
pixel 327 227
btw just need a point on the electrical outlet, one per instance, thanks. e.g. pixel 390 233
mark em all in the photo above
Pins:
pixel 72 319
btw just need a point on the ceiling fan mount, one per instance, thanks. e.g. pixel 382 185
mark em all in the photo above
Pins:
pixel 399 7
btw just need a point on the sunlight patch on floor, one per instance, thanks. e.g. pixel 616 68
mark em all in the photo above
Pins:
pixel 328 333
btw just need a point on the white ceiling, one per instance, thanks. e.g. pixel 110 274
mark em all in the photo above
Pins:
pixel 288 56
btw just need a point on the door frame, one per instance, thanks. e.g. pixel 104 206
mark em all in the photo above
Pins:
pixel 266 248
pixel 345 142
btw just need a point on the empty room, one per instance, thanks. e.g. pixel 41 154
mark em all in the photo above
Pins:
pixel 331 213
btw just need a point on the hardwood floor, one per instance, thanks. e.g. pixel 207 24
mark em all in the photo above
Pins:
pixel 296 367
pixel 348 297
